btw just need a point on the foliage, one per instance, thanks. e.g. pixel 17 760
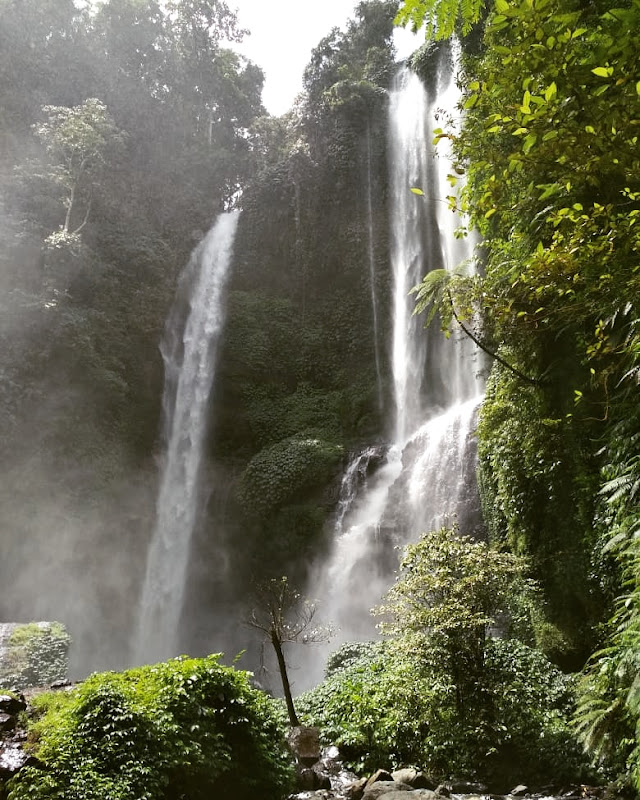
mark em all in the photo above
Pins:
pixel 449 589
pixel 285 469
pixel 549 145
pixel 76 140
pixel 537 496
pixel 35 654
pixel 440 18
pixel 441 693
pixel 185 728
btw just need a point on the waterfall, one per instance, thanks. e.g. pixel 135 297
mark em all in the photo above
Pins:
pixel 189 353
pixel 428 476
pixel 372 273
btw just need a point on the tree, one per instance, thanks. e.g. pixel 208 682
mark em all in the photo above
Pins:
pixel 76 140
pixel 449 591
pixel 285 617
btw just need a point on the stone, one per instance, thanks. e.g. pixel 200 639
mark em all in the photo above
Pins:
pixel 13 758
pixel 418 780
pixel 379 775
pixel 519 790
pixel 355 790
pixel 406 775
pixel 386 789
pixel 322 779
pixel 7 722
pixel 304 742
pixel 12 704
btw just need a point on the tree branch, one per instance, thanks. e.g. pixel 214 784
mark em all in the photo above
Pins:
pixel 491 353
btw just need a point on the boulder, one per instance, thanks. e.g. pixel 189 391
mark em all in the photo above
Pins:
pixel 387 789
pixel 7 722
pixel 13 758
pixel 12 703
pixel 415 779
pixel 379 775
pixel 355 790
pixel 305 744
pixel 407 793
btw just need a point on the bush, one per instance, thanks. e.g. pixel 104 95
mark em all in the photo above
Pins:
pixel 383 710
pixel 279 472
pixel 188 728
pixel 35 654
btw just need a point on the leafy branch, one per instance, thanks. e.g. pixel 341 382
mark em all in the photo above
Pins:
pixel 435 296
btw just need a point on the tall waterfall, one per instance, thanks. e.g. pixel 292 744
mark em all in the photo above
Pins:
pixel 427 477
pixel 189 353
pixel 372 273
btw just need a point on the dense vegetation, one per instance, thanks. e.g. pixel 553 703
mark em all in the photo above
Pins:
pixel 440 692
pixel 125 128
pixel 549 145
pixel 186 728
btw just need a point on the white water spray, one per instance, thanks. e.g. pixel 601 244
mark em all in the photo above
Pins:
pixel 189 353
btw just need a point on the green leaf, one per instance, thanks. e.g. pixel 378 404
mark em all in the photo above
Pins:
pixel 417 191
pixel 602 72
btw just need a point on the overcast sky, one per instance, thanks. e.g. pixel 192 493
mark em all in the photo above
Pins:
pixel 283 33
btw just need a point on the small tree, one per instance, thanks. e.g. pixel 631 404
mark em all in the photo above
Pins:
pixel 76 140
pixel 284 616
pixel 449 591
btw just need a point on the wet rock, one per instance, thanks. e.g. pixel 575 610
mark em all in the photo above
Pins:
pixel 355 790
pixel 12 704
pixel 519 790
pixel 379 775
pixel 13 758
pixel 387 789
pixel 415 779
pixel 305 744
pixel 7 722
pixel 311 779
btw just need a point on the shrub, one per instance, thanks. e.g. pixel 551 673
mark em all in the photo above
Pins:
pixel 35 654
pixel 383 709
pixel 188 728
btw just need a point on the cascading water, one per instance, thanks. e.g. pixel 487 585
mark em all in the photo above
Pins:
pixel 372 274
pixel 188 350
pixel 426 477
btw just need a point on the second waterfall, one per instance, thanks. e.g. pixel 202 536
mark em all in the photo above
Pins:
pixel 427 477
pixel 189 350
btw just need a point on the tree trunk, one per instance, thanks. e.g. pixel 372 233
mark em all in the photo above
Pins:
pixel 282 666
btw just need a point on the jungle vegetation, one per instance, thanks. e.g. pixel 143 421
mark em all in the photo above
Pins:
pixel 124 129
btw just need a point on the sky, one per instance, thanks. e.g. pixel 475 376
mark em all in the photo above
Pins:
pixel 283 33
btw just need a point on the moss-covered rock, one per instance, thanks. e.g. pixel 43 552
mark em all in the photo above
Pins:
pixel 34 654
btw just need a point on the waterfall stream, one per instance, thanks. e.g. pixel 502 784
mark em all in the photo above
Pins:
pixel 188 350
pixel 428 475
pixel 371 253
